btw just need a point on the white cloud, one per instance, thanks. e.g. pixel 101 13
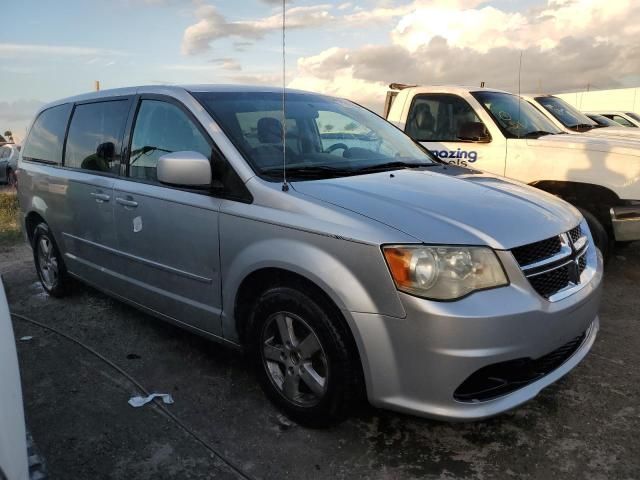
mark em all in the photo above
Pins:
pixel 212 26
pixel 15 116
pixel 8 50
pixel 565 45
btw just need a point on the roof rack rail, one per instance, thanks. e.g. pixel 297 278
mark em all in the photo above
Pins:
pixel 400 86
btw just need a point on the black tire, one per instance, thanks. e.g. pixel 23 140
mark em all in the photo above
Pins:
pixel 55 283
pixel 342 387
pixel 600 236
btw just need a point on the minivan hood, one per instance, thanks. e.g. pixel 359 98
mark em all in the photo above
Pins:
pixel 591 143
pixel 450 205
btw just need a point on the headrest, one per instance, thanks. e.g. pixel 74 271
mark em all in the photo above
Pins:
pixel 269 130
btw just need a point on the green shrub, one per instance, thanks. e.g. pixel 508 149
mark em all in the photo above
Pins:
pixel 9 219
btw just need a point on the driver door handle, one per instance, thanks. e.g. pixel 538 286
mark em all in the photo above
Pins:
pixel 126 203
pixel 101 197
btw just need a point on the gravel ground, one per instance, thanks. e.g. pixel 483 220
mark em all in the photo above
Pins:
pixel 583 427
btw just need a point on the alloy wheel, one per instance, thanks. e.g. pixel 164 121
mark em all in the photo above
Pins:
pixel 47 262
pixel 294 359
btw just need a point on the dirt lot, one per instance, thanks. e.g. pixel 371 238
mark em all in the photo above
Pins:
pixel 585 426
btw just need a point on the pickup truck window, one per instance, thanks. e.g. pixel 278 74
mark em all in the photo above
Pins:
pixel 443 118
pixel 516 117
pixel 602 120
pixel 326 137
pixel 621 120
pixel 569 116
pixel 635 116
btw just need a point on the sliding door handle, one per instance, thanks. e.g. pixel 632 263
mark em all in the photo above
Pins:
pixel 126 203
pixel 101 197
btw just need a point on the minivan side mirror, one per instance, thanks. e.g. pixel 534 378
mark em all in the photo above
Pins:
pixel 474 132
pixel 185 169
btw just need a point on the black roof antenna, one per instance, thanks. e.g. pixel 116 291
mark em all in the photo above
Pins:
pixel 285 185
pixel 519 97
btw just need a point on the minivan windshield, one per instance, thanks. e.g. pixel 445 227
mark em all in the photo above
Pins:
pixel 516 117
pixel 325 137
pixel 569 116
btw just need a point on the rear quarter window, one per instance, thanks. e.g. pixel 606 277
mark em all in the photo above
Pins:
pixel 45 140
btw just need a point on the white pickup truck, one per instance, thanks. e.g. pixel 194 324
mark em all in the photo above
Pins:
pixel 502 133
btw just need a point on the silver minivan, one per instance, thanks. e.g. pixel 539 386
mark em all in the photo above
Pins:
pixel 365 267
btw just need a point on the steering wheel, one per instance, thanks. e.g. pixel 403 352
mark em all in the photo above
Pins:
pixel 337 146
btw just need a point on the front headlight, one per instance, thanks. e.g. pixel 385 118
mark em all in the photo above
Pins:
pixel 443 272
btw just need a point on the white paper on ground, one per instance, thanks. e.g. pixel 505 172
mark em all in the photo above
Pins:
pixel 137 401
pixel 26 338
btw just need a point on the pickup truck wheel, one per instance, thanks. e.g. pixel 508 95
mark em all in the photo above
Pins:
pixel 302 357
pixel 49 264
pixel 599 234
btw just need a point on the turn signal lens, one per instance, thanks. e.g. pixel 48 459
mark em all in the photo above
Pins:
pixel 443 272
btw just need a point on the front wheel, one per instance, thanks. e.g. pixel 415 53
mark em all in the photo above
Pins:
pixel 49 264
pixel 303 356
pixel 599 234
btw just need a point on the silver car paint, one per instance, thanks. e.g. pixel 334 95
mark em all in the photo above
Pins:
pixel 191 252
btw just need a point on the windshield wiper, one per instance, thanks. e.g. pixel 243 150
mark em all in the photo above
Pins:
pixel 324 171
pixel 536 134
pixel 395 165
pixel 307 172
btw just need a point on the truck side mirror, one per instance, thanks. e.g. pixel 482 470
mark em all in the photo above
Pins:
pixel 474 132
pixel 185 169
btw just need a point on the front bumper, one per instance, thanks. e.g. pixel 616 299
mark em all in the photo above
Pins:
pixel 626 223
pixel 415 364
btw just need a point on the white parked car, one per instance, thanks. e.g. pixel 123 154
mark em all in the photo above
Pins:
pixel 13 437
pixel 568 118
pixel 502 133
pixel 626 119
pixel 9 154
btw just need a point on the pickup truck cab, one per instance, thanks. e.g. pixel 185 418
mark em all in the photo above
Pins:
pixel 571 120
pixel 501 133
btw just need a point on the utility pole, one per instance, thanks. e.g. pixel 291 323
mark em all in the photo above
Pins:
pixel 481 84
pixel 97 85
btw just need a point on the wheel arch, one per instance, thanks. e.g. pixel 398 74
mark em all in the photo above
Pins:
pixel 31 221
pixel 591 197
pixel 260 280
pixel 321 269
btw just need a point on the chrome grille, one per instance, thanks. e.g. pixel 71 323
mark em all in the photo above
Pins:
pixel 555 264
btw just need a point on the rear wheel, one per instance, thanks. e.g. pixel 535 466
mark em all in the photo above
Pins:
pixel 49 264
pixel 303 357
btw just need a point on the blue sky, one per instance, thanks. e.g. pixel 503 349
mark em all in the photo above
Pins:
pixel 50 50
